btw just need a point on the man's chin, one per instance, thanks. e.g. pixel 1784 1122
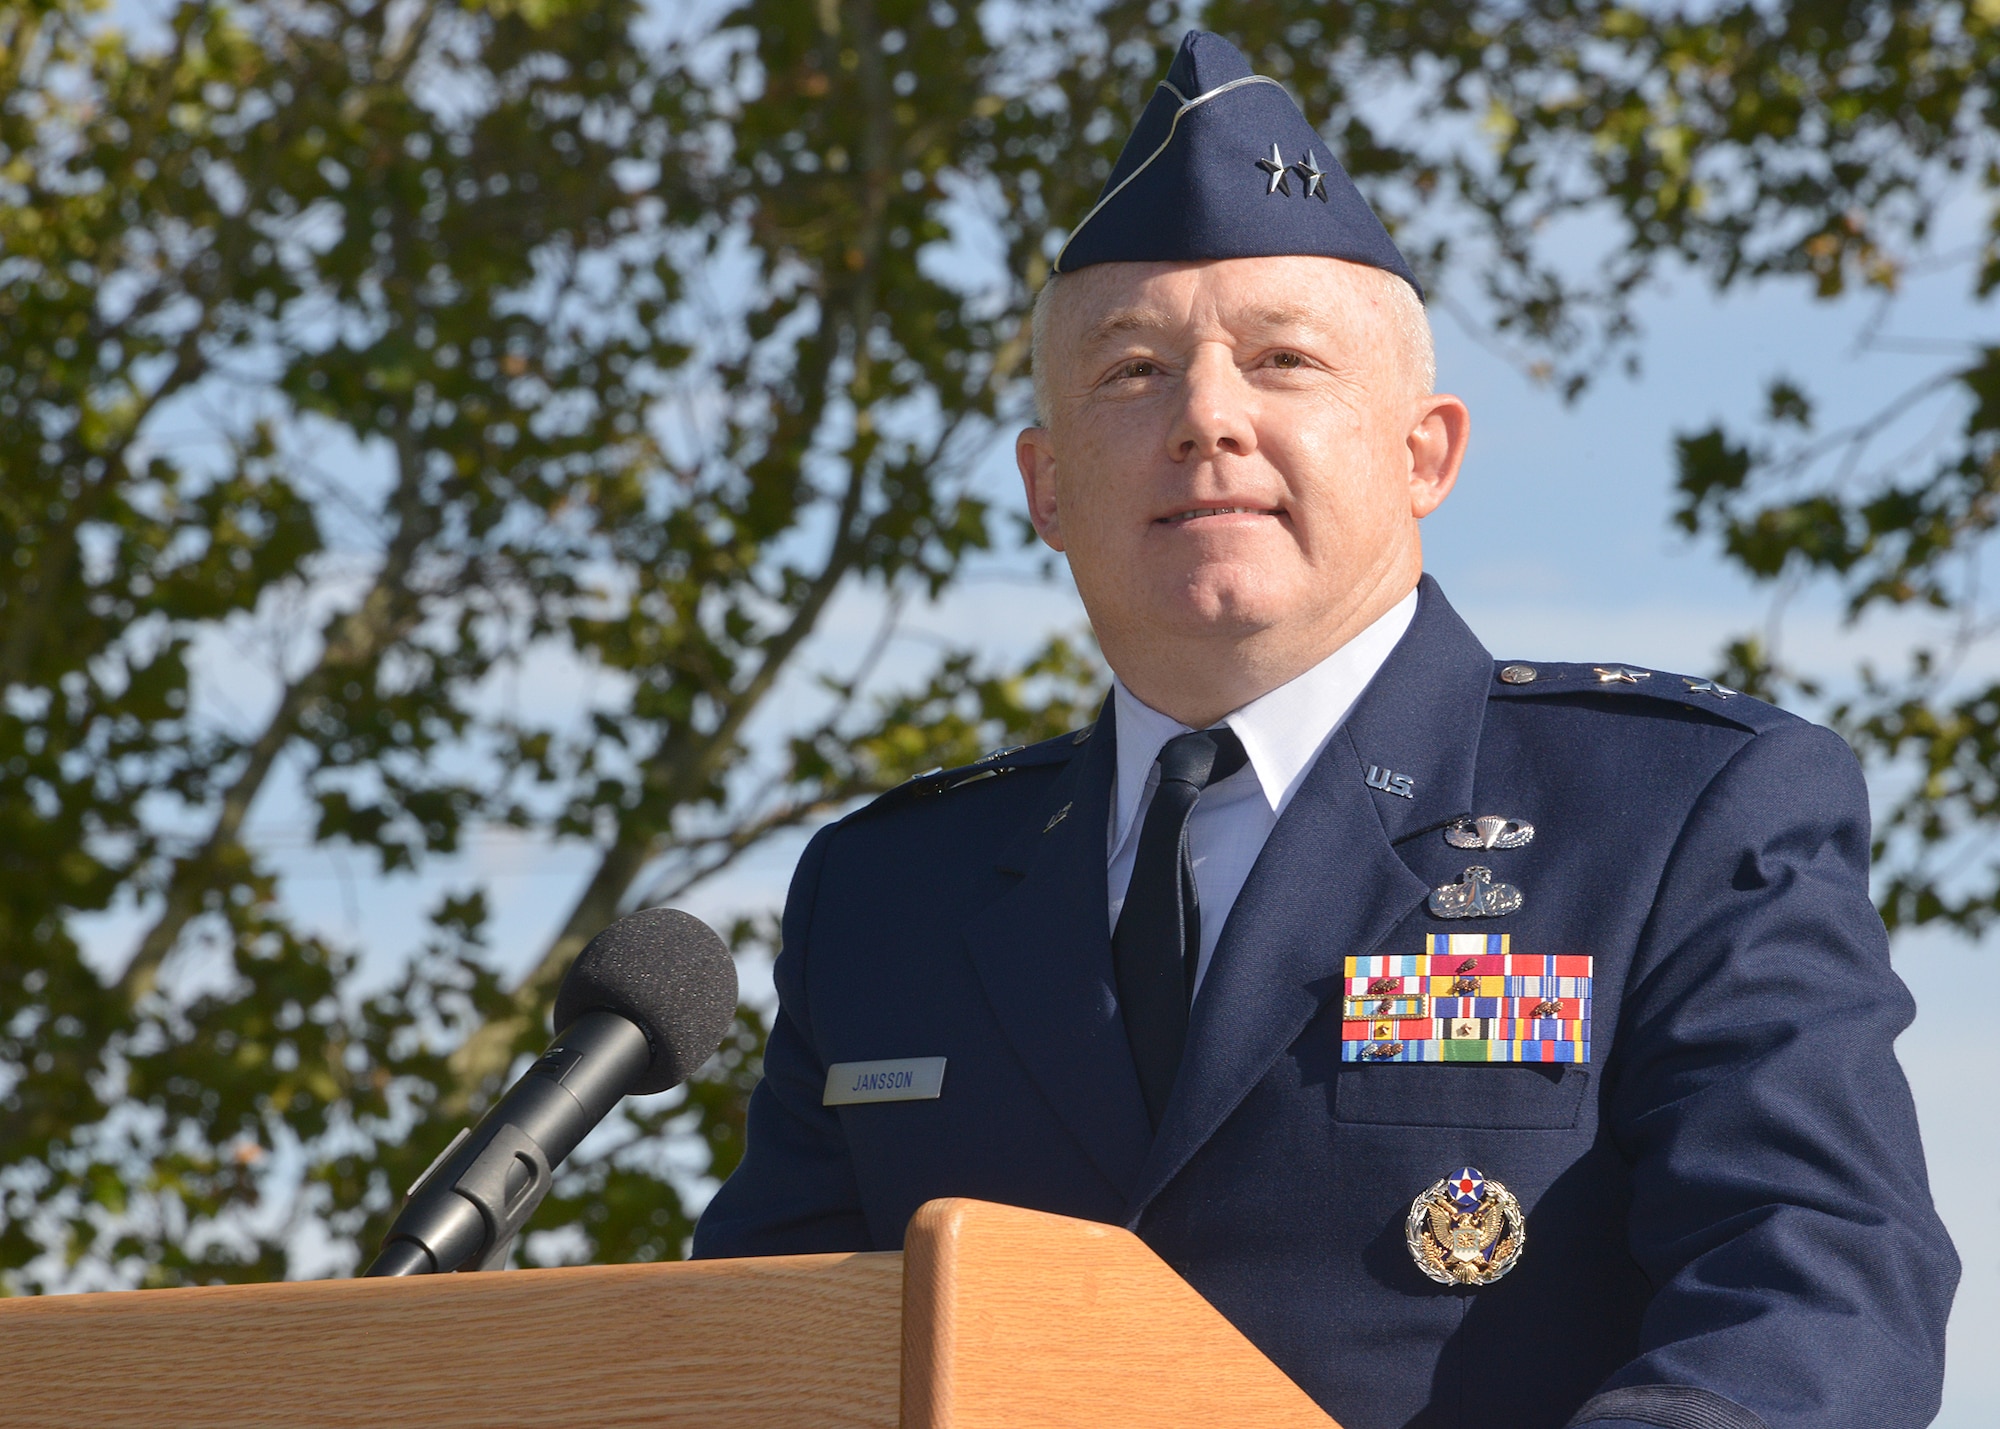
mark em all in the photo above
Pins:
pixel 1208 606
pixel 1236 598
pixel 1219 620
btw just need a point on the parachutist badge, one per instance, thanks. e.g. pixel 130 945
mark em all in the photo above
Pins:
pixel 1489 831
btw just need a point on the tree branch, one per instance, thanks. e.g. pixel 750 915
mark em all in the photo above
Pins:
pixel 352 641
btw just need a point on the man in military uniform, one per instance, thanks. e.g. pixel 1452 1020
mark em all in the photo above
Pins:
pixel 1497 1043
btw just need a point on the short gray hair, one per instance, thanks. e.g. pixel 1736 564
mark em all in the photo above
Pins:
pixel 1038 346
pixel 1413 326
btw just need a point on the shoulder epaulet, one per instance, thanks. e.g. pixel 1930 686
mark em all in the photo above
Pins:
pixel 988 766
pixel 1522 679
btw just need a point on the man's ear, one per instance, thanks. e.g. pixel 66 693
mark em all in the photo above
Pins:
pixel 1437 446
pixel 1035 454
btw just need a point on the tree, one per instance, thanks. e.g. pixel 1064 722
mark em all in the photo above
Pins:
pixel 619 374
pixel 1826 145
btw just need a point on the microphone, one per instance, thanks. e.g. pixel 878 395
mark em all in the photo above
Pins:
pixel 644 1004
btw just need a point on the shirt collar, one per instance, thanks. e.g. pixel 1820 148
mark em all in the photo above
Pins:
pixel 1283 731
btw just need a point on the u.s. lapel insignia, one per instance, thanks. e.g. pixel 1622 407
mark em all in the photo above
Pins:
pixel 1489 831
pixel 1390 782
pixel 1466 1230
pixel 1475 895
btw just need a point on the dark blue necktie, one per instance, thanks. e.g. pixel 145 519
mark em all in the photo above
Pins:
pixel 1156 947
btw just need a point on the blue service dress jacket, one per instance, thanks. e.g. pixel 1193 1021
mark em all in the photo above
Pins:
pixel 1728 1222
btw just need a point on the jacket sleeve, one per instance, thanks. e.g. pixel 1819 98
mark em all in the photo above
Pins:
pixel 794 1191
pixel 1779 1204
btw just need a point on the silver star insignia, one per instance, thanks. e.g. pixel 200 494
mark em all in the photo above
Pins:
pixel 1619 675
pixel 1314 176
pixel 1276 166
pixel 1708 687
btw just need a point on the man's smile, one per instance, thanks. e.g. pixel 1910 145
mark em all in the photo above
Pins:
pixel 1199 512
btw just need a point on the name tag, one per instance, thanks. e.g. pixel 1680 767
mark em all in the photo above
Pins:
pixel 907 1079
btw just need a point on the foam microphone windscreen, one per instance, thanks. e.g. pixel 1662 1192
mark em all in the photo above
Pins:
pixel 666 971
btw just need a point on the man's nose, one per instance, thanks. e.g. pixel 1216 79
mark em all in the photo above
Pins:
pixel 1215 414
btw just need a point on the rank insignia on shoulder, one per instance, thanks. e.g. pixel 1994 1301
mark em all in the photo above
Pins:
pixel 1467 998
pixel 1466 1230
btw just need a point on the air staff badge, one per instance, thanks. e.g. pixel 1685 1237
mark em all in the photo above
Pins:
pixel 1466 1230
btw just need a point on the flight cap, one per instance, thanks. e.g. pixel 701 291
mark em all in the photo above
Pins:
pixel 1223 165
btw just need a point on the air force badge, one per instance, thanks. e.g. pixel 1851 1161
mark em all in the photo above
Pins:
pixel 1475 895
pixel 1466 1230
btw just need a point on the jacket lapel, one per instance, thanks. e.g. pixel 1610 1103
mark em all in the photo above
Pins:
pixel 1043 954
pixel 1329 885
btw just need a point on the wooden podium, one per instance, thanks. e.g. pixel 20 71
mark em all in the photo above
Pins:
pixel 991 1316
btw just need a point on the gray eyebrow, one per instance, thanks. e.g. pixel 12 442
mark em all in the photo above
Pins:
pixel 1123 321
pixel 1287 315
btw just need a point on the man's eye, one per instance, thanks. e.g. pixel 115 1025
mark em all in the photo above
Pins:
pixel 1137 369
pixel 1286 359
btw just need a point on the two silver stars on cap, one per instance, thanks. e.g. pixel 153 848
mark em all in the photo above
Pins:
pixel 1308 170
